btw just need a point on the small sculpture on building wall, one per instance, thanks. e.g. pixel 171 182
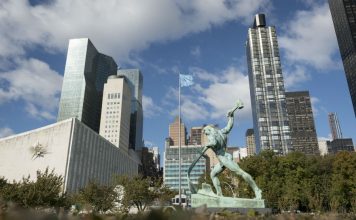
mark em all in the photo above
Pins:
pixel 38 150
pixel 217 141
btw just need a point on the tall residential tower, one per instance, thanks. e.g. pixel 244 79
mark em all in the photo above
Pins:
pixel 268 101
pixel 344 17
pixel 85 73
pixel 334 126
pixel 301 122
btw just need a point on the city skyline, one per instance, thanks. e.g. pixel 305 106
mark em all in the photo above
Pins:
pixel 212 49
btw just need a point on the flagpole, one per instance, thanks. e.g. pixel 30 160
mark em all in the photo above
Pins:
pixel 179 143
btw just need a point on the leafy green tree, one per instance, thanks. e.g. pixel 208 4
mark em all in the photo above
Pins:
pixel 137 192
pixel 319 183
pixel 343 186
pixel 46 191
pixel 266 171
pixel 149 169
pixel 99 197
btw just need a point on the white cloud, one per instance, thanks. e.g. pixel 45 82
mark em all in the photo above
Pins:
pixel 35 83
pixel 309 38
pixel 116 27
pixel 295 76
pixel 195 52
pixel 4 132
pixel 222 95
pixel 150 109
pixel 212 96
pixel 315 102
pixel 325 138
pixel 149 144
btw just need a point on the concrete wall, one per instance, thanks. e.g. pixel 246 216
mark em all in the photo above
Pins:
pixel 73 149
pixel 93 157
pixel 16 152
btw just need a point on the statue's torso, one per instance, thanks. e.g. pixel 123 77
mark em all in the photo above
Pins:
pixel 220 140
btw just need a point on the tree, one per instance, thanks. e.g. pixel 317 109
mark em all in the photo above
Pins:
pixel 100 198
pixel 343 186
pixel 46 191
pixel 149 169
pixel 137 191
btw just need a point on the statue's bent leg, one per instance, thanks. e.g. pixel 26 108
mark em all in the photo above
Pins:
pixel 218 168
pixel 247 177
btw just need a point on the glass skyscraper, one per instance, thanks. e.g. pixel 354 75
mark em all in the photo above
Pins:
pixel 271 125
pixel 85 73
pixel 135 81
pixel 171 166
pixel 344 17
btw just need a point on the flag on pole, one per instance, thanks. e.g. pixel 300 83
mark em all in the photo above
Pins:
pixel 185 80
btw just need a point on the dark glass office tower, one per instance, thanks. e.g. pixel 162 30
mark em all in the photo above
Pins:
pixel 135 81
pixel 85 73
pixel 301 122
pixel 344 17
pixel 270 120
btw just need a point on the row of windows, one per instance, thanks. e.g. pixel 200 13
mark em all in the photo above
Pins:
pixel 108 131
pixel 112 126
pixel 113 95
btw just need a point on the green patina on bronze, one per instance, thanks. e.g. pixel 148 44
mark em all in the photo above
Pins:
pixel 217 140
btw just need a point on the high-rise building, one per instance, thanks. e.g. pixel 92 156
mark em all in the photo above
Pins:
pixel 135 81
pixel 85 73
pixel 156 156
pixel 250 142
pixel 334 126
pixel 174 133
pixel 271 125
pixel 242 153
pixel 341 144
pixel 196 136
pixel 116 111
pixel 235 153
pixel 301 122
pixel 171 163
pixel 344 17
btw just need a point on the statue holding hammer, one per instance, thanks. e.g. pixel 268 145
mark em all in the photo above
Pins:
pixel 217 141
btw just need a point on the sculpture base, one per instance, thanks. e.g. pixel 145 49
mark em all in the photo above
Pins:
pixel 206 196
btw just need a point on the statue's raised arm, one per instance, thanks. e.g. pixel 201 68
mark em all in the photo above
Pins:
pixel 230 115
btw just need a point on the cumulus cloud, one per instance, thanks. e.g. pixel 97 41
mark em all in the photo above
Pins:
pixel 212 95
pixel 150 109
pixel 295 76
pixel 223 92
pixel 116 27
pixel 4 132
pixel 309 38
pixel 35 83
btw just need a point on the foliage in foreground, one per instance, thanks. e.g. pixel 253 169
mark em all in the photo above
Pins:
pixel 298 182
pixel 46 191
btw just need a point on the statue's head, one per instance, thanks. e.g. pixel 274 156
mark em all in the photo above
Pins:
pixel 209 130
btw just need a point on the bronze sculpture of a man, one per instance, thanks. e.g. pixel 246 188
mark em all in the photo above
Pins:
pixel 217 140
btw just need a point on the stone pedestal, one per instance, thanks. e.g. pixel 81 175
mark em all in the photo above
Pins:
pixel 206 196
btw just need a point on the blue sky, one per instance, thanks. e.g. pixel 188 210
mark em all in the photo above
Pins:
pixel 205 38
